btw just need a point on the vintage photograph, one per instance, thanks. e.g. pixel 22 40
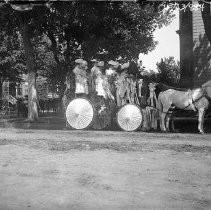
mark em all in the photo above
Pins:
pixel 105 105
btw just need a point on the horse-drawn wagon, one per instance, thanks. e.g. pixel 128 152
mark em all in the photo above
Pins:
pixel 104 106
pixel 93 103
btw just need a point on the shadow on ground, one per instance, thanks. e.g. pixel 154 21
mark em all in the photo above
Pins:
pixel 54 121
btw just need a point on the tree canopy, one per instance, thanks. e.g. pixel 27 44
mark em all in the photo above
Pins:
pixel 53 37
pixel 168 71
pixel 12 61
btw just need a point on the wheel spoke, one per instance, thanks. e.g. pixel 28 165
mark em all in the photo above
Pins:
pixel 129 117
pixel 79 113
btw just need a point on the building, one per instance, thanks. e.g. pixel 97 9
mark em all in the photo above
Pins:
pixel 195 49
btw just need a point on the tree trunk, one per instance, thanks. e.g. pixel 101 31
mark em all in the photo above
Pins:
pixel 206 16
pixel 32 92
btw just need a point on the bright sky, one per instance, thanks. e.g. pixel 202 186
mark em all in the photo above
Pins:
pixel 168 45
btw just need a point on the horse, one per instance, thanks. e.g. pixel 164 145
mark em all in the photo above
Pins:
pixel 196 100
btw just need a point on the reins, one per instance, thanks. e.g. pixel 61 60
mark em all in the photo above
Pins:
pixel 159 109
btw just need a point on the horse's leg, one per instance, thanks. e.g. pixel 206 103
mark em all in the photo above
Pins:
pixel 163 118
pixel 168 119
pixel 201 112
pixel 163 109
pixel 160 111
pixel 163 127
pixel 167 122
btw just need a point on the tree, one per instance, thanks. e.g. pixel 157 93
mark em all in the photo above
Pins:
pixel 21 20
pixel 30 62
pixel 119 28
pixel 168 71
pixel 106 30
pixel 11 59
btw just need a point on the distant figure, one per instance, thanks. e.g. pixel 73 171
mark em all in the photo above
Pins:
pixel 22 107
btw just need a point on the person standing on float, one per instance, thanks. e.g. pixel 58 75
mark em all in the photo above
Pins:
pixel 94 69
pixel 81 78
pixel 111 74
pixel 122 85
pixel 101 82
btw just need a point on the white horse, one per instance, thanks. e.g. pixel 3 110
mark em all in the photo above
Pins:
pixel 196 100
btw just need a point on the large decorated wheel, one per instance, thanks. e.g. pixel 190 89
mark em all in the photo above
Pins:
pixel 129 117
pixel 80 113
pixel 103 112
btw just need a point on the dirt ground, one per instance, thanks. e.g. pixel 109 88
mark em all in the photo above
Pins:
pixel 90 170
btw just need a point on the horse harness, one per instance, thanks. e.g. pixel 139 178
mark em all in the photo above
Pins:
pixel 193 102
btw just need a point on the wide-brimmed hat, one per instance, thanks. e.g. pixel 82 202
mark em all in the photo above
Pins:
pixel 113 63
pixel 84 63
pixel 125 66
pixel 79 61
pixel 100 63
pixel 94 60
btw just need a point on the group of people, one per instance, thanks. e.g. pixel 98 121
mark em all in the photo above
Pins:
pixel 116 82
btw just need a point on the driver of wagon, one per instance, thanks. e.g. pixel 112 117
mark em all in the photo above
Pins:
pixel 81 78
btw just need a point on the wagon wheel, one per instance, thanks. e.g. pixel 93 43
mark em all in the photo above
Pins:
pixel 103 115
pixel 80 113
pixel 102 120
pixel 129 117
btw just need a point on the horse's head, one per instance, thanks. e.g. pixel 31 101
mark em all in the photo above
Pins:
pixel 207 88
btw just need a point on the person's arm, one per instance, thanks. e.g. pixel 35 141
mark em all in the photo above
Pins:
pixel 67 82
pixel 80 72
pixel 75 70
pixel 107 89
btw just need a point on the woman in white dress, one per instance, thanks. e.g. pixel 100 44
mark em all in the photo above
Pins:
pixel 111 74
pixel 81 78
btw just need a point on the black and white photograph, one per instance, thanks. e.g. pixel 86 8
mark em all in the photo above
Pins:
pixel 105 105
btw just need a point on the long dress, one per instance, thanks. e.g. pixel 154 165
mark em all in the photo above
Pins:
pixel 94 70
pixel 81 81
pixel 101 100
pixel 121 89
pixel 111 75
pixel 69 92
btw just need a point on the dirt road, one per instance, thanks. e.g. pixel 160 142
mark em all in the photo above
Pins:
pixel 76 170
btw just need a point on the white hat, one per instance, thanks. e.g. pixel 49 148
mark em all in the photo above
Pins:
pixel 79 61
pixel 84 63
pixel 94 60
pixel 113 63
pixel 100 63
